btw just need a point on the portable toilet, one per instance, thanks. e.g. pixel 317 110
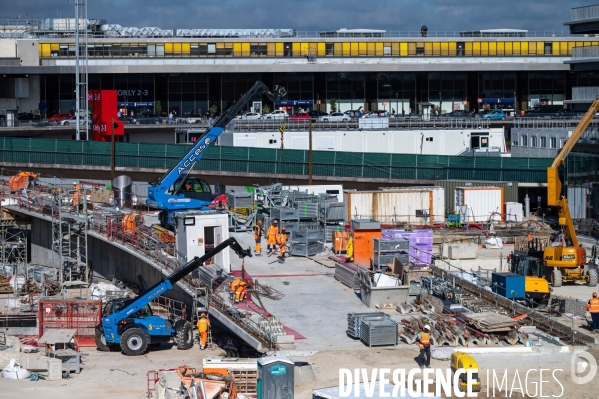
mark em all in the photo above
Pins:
pixel 275 378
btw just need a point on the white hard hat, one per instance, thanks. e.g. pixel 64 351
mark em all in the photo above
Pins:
pixel 75 183
pixel 427 327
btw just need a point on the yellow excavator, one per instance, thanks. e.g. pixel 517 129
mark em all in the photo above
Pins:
pixel 567 262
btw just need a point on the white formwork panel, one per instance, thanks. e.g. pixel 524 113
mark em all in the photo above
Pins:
pixel 482 203
pixel 396 205
pixel 577 201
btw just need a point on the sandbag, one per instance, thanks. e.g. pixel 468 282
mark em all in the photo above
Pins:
pixel 14 371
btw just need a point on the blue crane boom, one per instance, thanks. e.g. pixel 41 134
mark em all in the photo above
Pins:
pixel 166 192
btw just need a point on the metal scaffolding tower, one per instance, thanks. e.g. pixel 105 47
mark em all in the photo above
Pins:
pixel 81 64
pixel 69 238
pixel 13 244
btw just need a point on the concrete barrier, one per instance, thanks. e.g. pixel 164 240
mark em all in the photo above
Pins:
pixel 51 369
pixel 462 251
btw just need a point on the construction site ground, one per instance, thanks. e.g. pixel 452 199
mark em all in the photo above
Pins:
pixel 315 305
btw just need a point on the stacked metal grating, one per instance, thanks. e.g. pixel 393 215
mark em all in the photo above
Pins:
pixel 329 229
pixel 379 332
pixel 240 200
pixel 283 213
pixel 306 242
pixel 210 275
pixel 354 319
pixel 347 274
pixel 386 250
pixel 307 210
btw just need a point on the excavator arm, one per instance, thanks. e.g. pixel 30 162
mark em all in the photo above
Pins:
pixel 554 184
pixel 158 191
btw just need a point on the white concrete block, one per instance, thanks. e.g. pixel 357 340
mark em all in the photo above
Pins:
pixel 284 339
pixel 463 251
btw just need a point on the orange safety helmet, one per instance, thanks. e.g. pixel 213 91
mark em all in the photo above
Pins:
pixel 594 295
pixel 276 221
pixel 259 222
pixel 283 228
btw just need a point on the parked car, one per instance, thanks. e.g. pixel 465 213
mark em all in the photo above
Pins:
pixel 564 113
pixel 356 114
pixel 147 119
pixel 278 114
pixel 316 114
pixel 72 121
pixel 126 119
pixel 249 116
pixel 300 117
pixel 189 118
pixel 376 114
pixel 458 113
pixel 496 114
pixel 28 117
pixel 335 117
pixel 60 117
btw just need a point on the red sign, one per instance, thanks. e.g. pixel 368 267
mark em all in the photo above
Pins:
pixel 480 100
pixel 384 104
pixel 465 102
pixel 48 309
pixel 104 111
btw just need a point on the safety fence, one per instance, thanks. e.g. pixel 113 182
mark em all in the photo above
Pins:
pixel 276 161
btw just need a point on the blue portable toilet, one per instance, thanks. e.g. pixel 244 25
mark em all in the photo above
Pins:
pixel 275 378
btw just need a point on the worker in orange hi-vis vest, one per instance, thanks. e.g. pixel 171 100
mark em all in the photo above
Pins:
pixel 271 236
pixel 203 326
pixel 593 308
pixel 240 292
pixel 76 194
pixel 424 343
pixel 282 243
pixel 258 238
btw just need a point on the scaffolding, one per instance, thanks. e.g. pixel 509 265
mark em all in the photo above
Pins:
pixel 69 238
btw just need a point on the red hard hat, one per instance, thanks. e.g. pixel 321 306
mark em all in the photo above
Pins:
pixel 594 294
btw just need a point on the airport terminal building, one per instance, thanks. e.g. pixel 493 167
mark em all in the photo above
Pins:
pixel 188 70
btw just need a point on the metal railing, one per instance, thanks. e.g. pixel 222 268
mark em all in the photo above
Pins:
pixel 585 53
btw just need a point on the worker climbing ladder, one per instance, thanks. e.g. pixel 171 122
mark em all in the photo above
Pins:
pixel 201 303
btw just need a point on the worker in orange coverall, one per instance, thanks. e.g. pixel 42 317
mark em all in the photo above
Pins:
pixel 203 326
pixel 271 236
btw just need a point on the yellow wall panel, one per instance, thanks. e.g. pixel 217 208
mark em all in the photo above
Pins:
pixel 177 48
pixel 444 49
pixel 54 46
pixel 516 48
pixel 379 48
pixel 540 48
pixel 437 48
pixel 218 45
pixel 555 48
pixel 185 48
pixel 295 49
pixel 346 49
pixel 411 48
pixel 322 49
pixel 572 45
pixel 168 48
pixel 476 48
pixel 237 50
pixel 362 48
pixel 532 48
pixel 428 49
pixel 305 49
pixel 524 48
pixel 492 48
pixel 508 48
pixel 44 50
pixel 452 48
pixel 271 49
pixel 484 48
pixel 500 48
pixel 354 49
pixel 563 48
pixel 280 49
pixel 370 49
pixel 468 48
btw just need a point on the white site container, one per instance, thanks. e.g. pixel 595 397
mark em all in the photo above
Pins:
pixel 396 205
pixel 479 204
pixel 577 201
pixel 513 211
pixel 197 232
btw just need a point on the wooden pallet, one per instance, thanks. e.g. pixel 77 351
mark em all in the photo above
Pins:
pixel 323 260
pixel 246 381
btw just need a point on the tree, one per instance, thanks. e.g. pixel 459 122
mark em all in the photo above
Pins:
pixel 265 109
pixel 213 109
pixel 158 107
pixel 333 104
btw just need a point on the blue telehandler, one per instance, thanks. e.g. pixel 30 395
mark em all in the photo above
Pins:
pixel 128 323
